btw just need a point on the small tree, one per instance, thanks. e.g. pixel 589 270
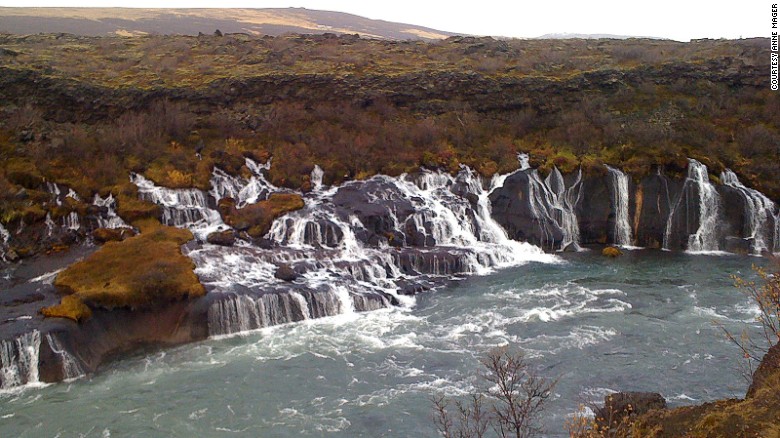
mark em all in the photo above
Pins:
pixel 766 294
pixel 507 401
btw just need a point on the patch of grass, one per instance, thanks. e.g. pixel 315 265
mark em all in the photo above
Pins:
pixel 140 272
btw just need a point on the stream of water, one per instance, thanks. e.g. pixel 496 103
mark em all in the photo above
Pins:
pixel 640 322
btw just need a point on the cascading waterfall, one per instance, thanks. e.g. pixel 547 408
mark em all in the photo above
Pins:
pixel 109 219
pixel 184 208
pixel 71 368
pixel 71 221
pixel 552 201
pixel 4 237
pixel 19 360
pixel 619 181
pixel 54 189
pixel 705 239
pixel 316 178
pixel 345 258
pixel 50 225
pixel 244 192
pixel 758 211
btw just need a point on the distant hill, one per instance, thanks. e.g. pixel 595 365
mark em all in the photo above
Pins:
pixel 591 36
pixel 131 21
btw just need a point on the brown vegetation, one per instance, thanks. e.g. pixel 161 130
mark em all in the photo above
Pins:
pixel 140 272
pixel 256 219
pixel 509 400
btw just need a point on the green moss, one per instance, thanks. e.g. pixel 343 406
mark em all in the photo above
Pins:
pixel 140 272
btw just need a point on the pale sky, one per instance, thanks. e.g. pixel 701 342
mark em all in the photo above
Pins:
pixel 675 19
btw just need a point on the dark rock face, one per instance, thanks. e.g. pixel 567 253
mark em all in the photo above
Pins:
pixel 513 209
pixel 654 199
pixel 595 213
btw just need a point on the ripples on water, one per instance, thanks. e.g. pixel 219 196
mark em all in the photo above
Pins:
pixel 641 322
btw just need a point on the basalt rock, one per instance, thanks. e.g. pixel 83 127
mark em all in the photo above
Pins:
pixel 513 209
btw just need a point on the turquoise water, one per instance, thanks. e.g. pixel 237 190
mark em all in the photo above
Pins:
pixel 641 322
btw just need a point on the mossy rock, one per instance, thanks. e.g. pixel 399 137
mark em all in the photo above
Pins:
pixel 23 173
pixel 144 271
pixel 103 235
pixel 612 252
pixel 33 213
pixel 133 209
pixel 70 307
pixel 256 219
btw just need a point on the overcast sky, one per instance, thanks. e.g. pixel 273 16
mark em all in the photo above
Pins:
pixel 676 19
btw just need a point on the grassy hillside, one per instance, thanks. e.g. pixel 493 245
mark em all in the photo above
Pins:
pixel 85 111
pixel 136 21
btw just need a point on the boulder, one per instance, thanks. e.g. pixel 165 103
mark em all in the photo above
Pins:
pixel 285 273
pixel 103 235
pixel 222 238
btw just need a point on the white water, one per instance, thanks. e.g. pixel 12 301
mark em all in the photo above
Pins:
pixel 705 239
pixel 183 208
pixel 110 219
pixel 619 182
pixel 4 237
pixel 758 211
pixel 340 272
pixel 243 191
pixel 552 202
pixel 71 221
pixel 54 189
pixel 316 178
pixel 71 368
pixel 49 224
pixel 19 360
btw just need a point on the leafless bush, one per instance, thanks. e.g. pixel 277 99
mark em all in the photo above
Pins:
pixel 508 401
pixel 766 294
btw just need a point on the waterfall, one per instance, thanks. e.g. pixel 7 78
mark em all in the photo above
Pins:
pixel 184 208
pixel 552 202
pixel 71 368
pixel 316 178
pixel 54 189
pixel 73 195
pixel 705 239
pixel 109 219
pixel 619 182
pixel 758 211
pixel 355 246
pixel 71 221
pixel 524 160
pixel 4 237
pixel 243 191
pixel 50 225
pixel 19 360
